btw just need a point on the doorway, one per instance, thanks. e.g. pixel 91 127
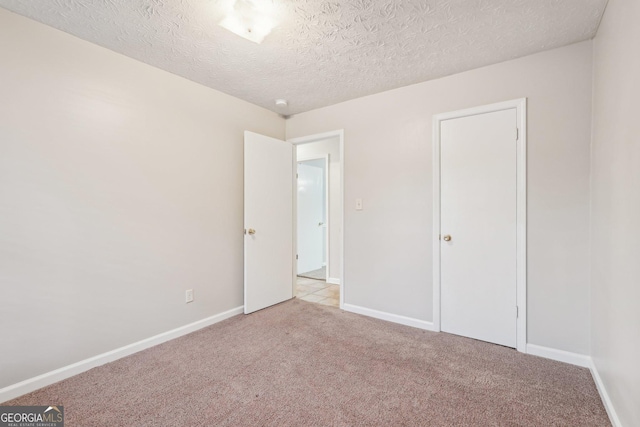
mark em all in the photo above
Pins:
pixel 313 201
pixel 480 223
pixel 270 219
pixel 319 219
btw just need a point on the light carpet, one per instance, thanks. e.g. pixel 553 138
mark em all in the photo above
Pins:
pixel 305 364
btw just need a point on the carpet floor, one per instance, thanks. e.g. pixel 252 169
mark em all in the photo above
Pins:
pixel 305 364
pixel 319 274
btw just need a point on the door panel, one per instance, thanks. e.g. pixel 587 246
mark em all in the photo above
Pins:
pixel 478 212
pixel 268 209
pixel 310 217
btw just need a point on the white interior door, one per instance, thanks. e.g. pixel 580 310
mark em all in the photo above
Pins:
pixel 311 201
pixel 478 226
pixel 268 221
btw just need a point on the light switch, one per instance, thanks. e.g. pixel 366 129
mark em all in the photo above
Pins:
pixel 358 204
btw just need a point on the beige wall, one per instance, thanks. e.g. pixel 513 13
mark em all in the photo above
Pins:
pixel 615 210
pixel 120 188
pixel 331 147
pixel 387 260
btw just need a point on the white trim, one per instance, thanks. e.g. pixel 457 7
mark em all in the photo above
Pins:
pixel 389 317
pixel 294 215
pixel 333 281
pixel 606 400
pixel 521 210
pixel 319 137
pixel 559 355
pixel 436 224
pixel 32 384
pixel 584 361
pixel 521 224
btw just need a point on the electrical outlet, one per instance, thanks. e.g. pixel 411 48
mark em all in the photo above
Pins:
pixel 188 295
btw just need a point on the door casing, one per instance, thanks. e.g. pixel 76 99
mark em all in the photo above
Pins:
pixel 521 210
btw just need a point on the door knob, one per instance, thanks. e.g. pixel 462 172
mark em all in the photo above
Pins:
pixel 320 224
pixel 251 231
pixel 446 238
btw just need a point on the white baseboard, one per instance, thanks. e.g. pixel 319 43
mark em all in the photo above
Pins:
pixel 395 318
pixel 32 384
pixel 582 361
pixel 606 400
pixel 559 355
pixel 333 281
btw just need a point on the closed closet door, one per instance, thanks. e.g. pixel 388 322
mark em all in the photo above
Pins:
pixel 478 226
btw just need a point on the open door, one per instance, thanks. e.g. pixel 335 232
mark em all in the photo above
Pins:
pixel 268 221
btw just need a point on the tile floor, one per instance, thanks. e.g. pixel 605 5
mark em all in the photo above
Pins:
pixel 318 291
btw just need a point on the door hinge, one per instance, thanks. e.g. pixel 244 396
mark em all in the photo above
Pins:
pixel 517 312
pixel 517 134
pixel 296 176
pixel 296 256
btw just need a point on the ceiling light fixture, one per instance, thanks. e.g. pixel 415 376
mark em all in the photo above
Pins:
pixel 281 103
pixel 251 19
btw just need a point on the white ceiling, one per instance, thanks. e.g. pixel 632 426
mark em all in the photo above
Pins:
pixel 323 52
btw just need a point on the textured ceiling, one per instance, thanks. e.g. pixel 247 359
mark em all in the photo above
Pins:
pixel 323 52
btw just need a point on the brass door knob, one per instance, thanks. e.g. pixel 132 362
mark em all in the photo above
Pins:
pixel 446 238
pixel 251 231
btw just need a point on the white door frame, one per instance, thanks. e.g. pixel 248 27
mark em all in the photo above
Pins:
pixel 315 138
pixel 521 210
pixel 326 208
